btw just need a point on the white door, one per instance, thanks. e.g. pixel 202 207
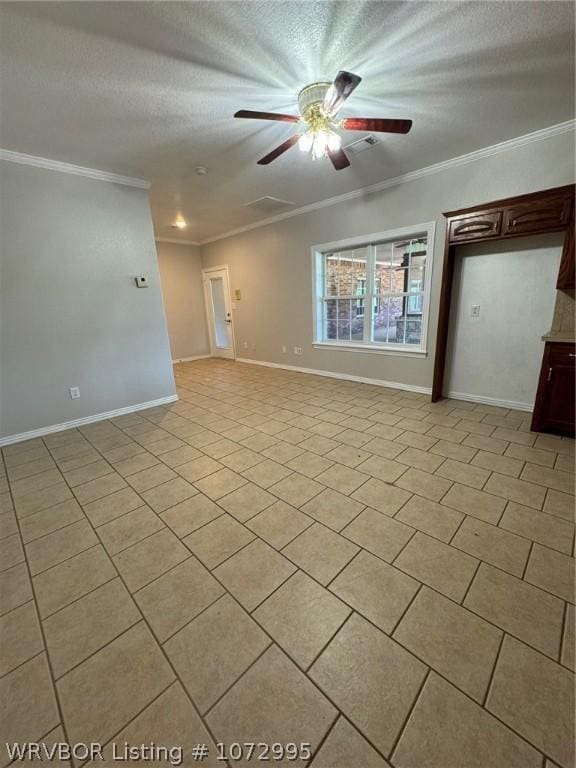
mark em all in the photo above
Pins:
pixel 218 310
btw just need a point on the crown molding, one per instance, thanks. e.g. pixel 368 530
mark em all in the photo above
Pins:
pixel 76 170
pixel 478 154
pixel 176 241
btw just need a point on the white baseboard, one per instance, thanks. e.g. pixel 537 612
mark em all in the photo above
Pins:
pixel 85 420
pixel 512 404
pixel 343 376
pixel 189 359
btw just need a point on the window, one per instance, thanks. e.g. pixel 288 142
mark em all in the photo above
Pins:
pixel 360 291
pixel 373 293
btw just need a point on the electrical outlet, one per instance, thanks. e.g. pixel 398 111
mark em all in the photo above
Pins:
pixel 245 345
pixel 297 350
pixel 253 347
pixel 475 310
pixel 283 350
pixel 74 393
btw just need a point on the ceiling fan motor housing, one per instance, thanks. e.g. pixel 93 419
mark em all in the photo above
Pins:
pixel 312 95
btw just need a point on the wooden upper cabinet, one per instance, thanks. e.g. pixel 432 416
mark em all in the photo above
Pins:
pixel 548 214
pixel 548 211
pixel 475 226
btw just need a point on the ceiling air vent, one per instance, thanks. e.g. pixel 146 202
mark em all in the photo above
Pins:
pixel 269 204
pixel 361 144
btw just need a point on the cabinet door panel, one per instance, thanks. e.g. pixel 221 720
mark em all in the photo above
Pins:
pixel 531 217
pixel 475 226
pixel 554 409
pixel 560 394
pixel 561 354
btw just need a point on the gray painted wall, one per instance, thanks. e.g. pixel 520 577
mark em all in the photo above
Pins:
pixel 181 276
pixel 70 313
pixel 272 265
pixel 498 354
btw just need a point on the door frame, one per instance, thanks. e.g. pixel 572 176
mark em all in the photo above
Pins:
pixel 485 222
pixel 206 271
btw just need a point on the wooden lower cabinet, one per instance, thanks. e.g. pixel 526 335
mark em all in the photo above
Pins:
pixel 554 406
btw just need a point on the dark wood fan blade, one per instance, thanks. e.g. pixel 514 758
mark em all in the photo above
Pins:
pixel 375 124
pixel 267 116
pixel 343 85
pixel 339 159
pixel 279 150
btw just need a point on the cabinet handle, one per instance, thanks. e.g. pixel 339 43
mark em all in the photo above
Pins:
pixel 549 374
pixel 571 354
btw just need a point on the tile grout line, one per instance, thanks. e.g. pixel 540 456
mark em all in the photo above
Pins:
pixel 137 715
pixel 211 604
pixel 160 647
pixel 411 602
pixel 527 563
pixel 54 690
pixel 360 550
pixel 77 599
pixel 21 664
pixel 104 645
pixel 349 496
pixel 409 714
pixel 469 587
pixel 325 738
pixel 55 530
pixel 272 643
pixel 38 573
pixel 484 702
pixel 564 620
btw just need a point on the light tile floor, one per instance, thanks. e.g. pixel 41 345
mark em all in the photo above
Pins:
pixel 286 558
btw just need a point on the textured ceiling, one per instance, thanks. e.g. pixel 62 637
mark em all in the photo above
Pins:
pixel 149 90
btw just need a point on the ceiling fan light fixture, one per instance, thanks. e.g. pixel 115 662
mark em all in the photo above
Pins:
pixel 180 223
pixel 334 142
pixel 318 104
pixel 323 142
pixel 305 142
pixel 320 145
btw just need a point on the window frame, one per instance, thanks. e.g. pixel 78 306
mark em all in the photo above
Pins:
pixel 318 253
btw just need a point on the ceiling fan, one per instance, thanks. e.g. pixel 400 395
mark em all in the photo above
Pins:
pixel 318 104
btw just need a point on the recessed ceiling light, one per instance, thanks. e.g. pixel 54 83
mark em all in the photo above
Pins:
pixel 180 223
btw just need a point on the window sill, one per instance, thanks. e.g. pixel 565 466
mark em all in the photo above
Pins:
pixel 400 351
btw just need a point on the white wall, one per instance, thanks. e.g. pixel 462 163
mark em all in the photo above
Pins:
pixel 70 313
pixel 497 355
pixel 181 276
pixel 272 264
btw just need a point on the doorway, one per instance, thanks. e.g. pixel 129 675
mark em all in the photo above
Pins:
pixel 218 311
